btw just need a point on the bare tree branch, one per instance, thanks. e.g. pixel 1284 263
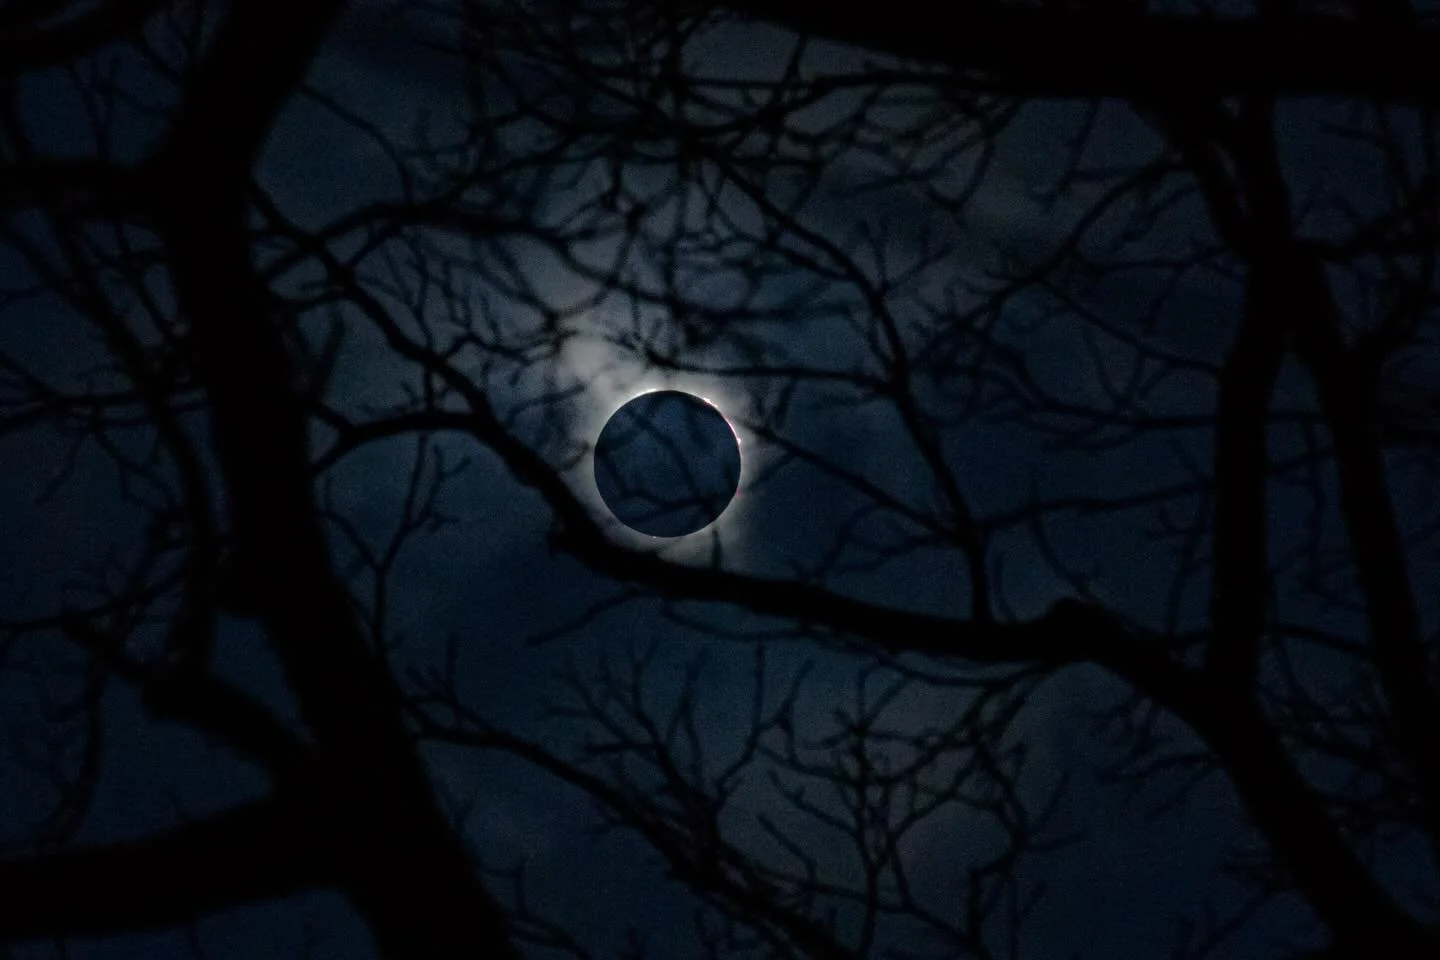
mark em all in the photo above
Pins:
pixel 266 850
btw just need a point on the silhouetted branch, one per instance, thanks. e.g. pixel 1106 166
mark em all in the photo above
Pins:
pixel 1027 50
pixel 266 850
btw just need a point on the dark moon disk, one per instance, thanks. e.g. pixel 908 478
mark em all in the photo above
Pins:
pixel 667 464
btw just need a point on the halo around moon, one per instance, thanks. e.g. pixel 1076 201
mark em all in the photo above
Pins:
pixel 667 464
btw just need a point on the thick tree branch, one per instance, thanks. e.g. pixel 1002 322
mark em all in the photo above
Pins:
pixel 78 187
pixel 261 851
pixel 1288 813
pixel 400 862
pixel 1346 386
pixel 1241 587
pixel 1284 806
pixel 1035 51
pixel 26 46
pixel 205 703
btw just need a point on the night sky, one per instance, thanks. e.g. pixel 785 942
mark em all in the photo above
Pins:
pixel 832 477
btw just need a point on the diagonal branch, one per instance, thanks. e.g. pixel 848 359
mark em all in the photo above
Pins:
pixel 1346 387
pixel 261 851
